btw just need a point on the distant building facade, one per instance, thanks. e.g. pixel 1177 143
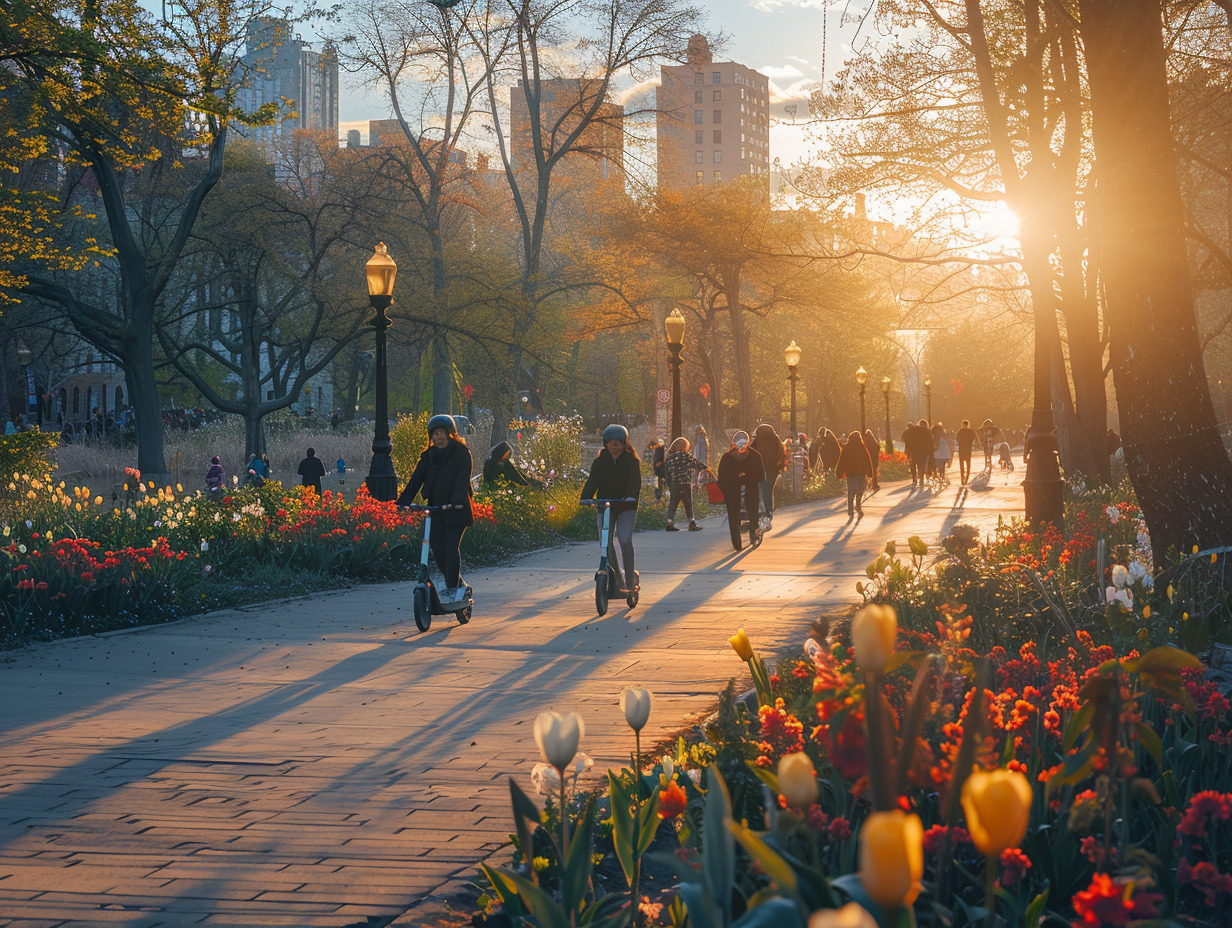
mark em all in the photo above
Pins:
pixel 281 68
pixel 597 157
pixel 713 121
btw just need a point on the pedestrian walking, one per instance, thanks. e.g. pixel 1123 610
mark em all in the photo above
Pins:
pixel 740 473
pixel 942 453
pixel 988 432
pixel 311 470
pixel 681 469
pixel 215 477
pixel 265 466
pixel 873 447
pixel 965 440
pixel 657 454
pixel 831 450
pixel 769 447
pixel 854 464
pixel 701 445
pixel 442 476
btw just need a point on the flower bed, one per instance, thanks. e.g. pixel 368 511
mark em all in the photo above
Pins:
pixel 1003 735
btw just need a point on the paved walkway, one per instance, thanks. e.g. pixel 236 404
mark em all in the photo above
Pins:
pixel 321 763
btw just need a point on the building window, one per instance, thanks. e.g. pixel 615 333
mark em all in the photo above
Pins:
pixel 718 115
pixel 697 117
pixel 700 177
pixel 699 77
pixel 699 156
pixel 697 136
pixel 718 177
pixel 718 156
pixel 718 136
pixel 717 77
pixel 697 96
pixel 718 96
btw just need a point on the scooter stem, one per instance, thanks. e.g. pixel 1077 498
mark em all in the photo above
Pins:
pixel 423 551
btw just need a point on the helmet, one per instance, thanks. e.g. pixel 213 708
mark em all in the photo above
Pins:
pixel 617 432
pixel 442 422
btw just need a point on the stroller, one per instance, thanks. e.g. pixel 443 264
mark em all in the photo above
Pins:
pixel 1005 456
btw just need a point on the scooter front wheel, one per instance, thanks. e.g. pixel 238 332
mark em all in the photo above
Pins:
pixel 422 608
pixel 464 615
pixel 601 593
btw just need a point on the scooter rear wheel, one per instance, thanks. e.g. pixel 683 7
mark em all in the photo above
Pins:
pixel 601 593
pixel 464 615
pixel 422 608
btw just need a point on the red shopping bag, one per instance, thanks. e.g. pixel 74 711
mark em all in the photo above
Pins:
pixel 713 493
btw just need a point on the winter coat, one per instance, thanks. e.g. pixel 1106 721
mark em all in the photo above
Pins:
pixel 702 449
pixel 736 471
pixel 498 466
pixel 443 477
pixel 680 466
pixel 873 449
pixel 215 477
pixel 831 450
pixel 615 478
pixel 657 461
pixel 943 452
pixel 311 470
pixel 767 444
pixel 854 461
pixel 965 440
pixel 918 441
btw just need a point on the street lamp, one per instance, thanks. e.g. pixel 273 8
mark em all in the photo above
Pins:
pixel 380 271
pixel 928 398
pixel 861 379
pixel 792 354
pixel 27 383
pixel 674 324
pixel 885 391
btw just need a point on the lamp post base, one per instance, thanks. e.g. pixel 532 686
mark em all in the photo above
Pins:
pixel 1043 489
pixel 382 482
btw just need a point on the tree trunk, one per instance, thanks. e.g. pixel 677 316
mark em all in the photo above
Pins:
pixel 1176 460
pixel 138 362
pixel 442 377
pixel 740 350
pixel 254 432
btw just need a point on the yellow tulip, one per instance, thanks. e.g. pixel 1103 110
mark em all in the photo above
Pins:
pixel 98 501
pixel 852 915
pixel 740 644
pixel 892 858
pixel 873 632
pixel 1146 612
pixel 997 804
pixel 798 780
pixel 1195 549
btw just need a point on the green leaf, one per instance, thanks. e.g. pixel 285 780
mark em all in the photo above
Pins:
pixel 891 548
pixel 546 911
pixel 649 822
pixel 918 546
pixel 773 913
pixel 1151 741
pixel 718 845
pixel 702 913
pixel 504 887
pixel 1036 909
pixel 775 866
pixel 1077 724
pixel 622 825
pixel 578 865
pixel 766 775
pixel 525 812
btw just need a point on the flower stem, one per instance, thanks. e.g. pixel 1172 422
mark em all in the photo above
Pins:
pixel 564 825
pixel 990 883
pixel 637 828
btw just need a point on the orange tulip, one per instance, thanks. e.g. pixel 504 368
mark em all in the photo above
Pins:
pixel 998 806
pixel 892 858
pixel 672 801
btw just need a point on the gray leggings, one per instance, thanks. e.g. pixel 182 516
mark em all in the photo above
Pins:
pixel 622 541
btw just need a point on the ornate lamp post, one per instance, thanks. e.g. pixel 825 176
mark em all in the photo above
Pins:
pixel 792 354
pixel 928 398
pixel 674 324
pixel 27 384
pixel 861 379
pixel 885 391
pixel 380 271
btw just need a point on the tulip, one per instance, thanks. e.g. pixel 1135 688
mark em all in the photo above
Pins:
pixel 798 780
pixel 873 632
pixel 635 703
pixel 998 806
pixel 892 858
pixel 852 915
pixel 672 801
pixel 740 644
pixel 558 737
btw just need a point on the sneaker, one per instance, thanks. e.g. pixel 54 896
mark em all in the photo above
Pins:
pixel 671 527
pixel 694 527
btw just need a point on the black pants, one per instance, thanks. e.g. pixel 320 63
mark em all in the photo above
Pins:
pixel 917 472
pixel 621 540
pixel 964 466
pixel 446 544
pixel 734 511
pixel 678 493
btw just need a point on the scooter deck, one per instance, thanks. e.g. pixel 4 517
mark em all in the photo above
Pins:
pixel 436 607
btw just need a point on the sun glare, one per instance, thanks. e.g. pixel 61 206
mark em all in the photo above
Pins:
pixel 997 222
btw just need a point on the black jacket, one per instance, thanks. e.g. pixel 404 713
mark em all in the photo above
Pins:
pixel 311 470
pixel 767 444
pixel 499 467
pixel 444 477
pixel 614 478
pixel 736 471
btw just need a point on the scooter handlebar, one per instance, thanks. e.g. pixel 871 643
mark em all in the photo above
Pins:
pixel 414 507
pixel 595 502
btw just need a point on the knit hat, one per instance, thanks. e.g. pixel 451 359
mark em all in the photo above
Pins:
pixel 740 439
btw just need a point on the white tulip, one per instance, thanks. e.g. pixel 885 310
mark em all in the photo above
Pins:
pixel 635 703
pixel 558 737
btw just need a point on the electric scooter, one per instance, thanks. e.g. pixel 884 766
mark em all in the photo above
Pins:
pixel 425 601
pixel 608 580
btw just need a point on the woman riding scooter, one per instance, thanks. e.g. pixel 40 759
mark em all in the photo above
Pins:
pixel 443 474
pixel 616 473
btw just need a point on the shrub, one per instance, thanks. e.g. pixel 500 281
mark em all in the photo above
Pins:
pixel 409 437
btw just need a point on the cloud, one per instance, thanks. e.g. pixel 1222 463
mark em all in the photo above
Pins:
pixel 773 6
pixel 774 72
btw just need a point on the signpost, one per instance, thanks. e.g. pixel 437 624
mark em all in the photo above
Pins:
pixel 662 409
